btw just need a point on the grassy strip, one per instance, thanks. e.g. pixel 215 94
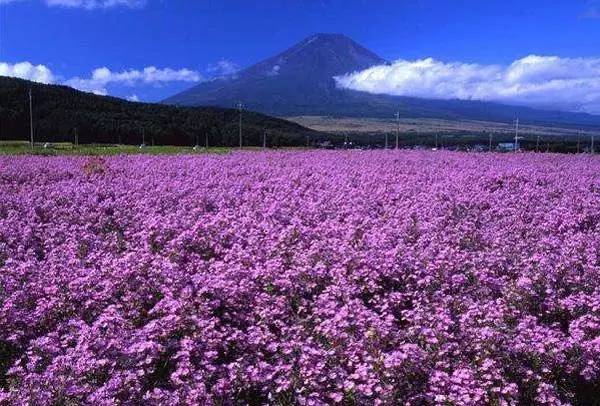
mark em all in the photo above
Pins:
pixel 55 149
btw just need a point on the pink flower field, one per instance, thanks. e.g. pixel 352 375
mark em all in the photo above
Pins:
pixel 305 278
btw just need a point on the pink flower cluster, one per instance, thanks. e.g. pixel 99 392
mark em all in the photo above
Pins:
pixel 300 278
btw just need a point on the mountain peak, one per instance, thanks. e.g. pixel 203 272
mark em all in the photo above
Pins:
pixel 303 72
pixel 324 36
pixel 320 55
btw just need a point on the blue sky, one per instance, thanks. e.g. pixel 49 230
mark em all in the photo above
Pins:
pixel 72 38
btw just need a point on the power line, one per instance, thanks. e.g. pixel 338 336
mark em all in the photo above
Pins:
pixel 31 117
pixel 398 129
pixel 516 134
pixel 517 138
pixel 240 108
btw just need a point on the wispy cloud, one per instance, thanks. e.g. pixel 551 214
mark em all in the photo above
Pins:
pixel 88 4
pixel 102 77
pixel 592 11
pixel 96 4
pixel 540 81
pixel 222 68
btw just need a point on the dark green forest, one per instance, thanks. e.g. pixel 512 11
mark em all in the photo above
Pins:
pixel 59 110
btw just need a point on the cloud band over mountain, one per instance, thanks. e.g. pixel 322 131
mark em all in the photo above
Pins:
pixel 571 84
pixel 101 77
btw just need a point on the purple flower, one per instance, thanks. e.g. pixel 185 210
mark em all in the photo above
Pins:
pixel 300 278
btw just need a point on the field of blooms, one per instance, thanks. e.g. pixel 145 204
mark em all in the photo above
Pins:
pixel 300 278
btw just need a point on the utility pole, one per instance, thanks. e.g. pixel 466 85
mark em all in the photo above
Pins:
pixel 490 141
pixel 31 118
pixel 76 138
pixel 578 141
pixel 346 141
pixel 517 135
pixel 537 144
pixel 206 141
pixel 264 143
pixel 143 136
pixel 240 107
pixel 398 129
pixel 436 140
pixel 386 140
pixel 307 141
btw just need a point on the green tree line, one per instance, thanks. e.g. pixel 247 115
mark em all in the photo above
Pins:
pixel 59 111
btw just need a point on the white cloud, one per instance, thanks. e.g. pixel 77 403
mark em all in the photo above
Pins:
pixel 592 11
pixel 133 98
pixel 96 4
pixel 102 77
pixel 539 81
pixel 26 70
pixel 223 67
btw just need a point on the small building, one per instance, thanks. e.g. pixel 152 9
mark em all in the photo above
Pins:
pixel 506 146
pixel 325 145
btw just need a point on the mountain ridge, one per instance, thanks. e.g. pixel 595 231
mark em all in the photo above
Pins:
pixel 300 81
pixel 290 76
